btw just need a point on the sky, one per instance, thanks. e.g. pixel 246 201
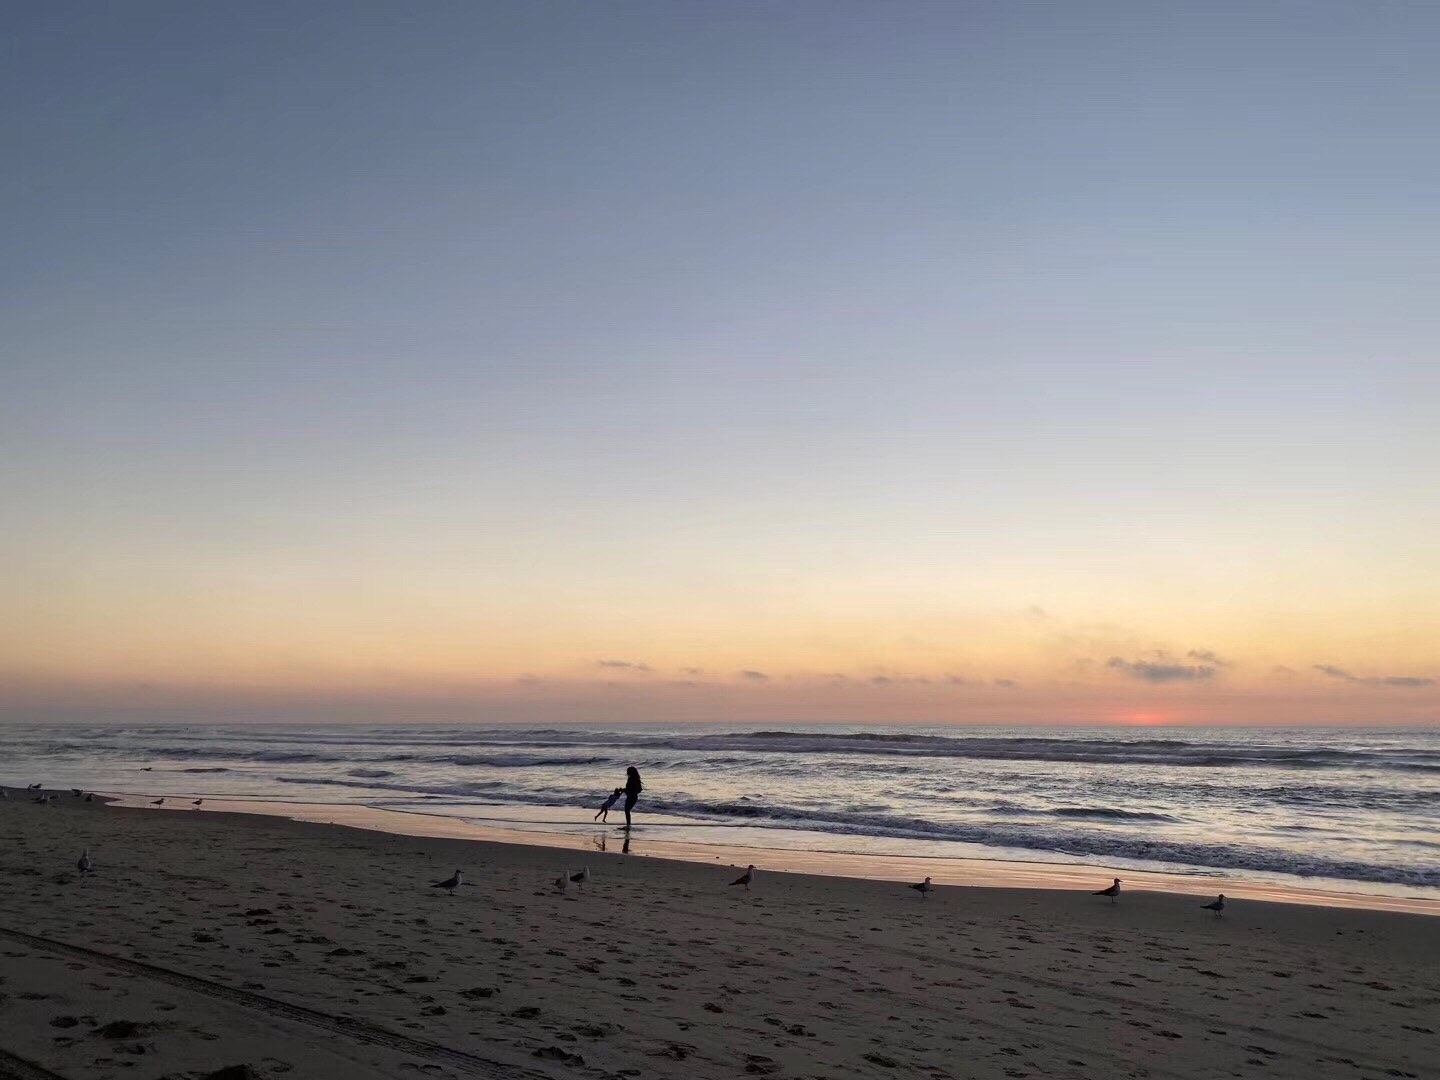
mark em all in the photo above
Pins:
pixel 1002 362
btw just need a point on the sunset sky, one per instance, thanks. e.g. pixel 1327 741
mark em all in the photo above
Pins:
pixel 975 362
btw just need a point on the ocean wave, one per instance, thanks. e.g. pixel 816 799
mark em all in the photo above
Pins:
pixel 1078 751
pixel 510 761
pixel 1098 813
pixel 466 790
pixel 1106 813
pixel 265 755
pixel 857 736
pixel 505 747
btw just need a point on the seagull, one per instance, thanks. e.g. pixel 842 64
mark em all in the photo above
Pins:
pixel 1112 892
pixel 76 792
pixel 85 865
pixel 4 794
pixel 1218 907
pixel 746 878
pixel 197 802
pixel 158 802
pixel 581 876
pixel 924 889
pixel 148 768
pixel 42 799
pixel 34 787
pixel 562 883
pixel 449 884
pixel 89 797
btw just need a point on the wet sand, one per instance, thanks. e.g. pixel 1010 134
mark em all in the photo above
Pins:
pixel 211 940
pixel 650 843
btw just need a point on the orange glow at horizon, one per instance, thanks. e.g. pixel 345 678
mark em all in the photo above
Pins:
pixel 1148 718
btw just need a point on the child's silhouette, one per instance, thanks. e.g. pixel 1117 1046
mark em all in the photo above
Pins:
pixel 611 801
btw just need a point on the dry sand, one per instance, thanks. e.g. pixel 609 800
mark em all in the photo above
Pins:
pixel 206 941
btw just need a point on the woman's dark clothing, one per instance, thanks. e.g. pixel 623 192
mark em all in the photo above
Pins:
pixel 633 787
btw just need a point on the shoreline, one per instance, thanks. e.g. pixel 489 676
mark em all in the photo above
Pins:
pixel 1287 814
pixel 946 870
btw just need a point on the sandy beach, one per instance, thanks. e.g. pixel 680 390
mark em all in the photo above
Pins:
pixel 232 946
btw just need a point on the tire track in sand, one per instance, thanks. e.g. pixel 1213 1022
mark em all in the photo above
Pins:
pixel 17 1068
pixel 356 1030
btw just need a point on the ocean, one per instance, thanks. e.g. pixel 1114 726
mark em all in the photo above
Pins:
pixel 1353 810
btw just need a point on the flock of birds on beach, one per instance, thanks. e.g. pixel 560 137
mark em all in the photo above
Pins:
pixel 579 878
pixel 44 798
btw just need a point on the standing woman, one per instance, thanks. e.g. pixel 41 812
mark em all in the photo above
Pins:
pixel 633 787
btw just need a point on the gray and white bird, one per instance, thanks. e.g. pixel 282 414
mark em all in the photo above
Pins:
pixel 449 884
pixel 1217 906
pixel 562 883
pixel 4 794
pixel 86 864
pixel 1112 892
pixel 581 877
pixel 157 802
pixel 33 787
pixel 747 878
pixel 924 889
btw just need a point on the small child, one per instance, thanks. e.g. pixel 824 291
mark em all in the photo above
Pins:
pixel 611 801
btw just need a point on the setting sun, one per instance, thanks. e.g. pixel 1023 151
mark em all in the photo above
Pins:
pixel 1146 719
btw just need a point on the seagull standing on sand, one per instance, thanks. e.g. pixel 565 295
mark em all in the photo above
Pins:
pixel 33 787
pixel 562 883
pixel 924 889
pixel 1218 907
pixel 85 865
pixel 746 878
pixel 197 803
pixel 76 792
pixel 1112 892
pixel 158 802
pixel 449 884
pixel 580 877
